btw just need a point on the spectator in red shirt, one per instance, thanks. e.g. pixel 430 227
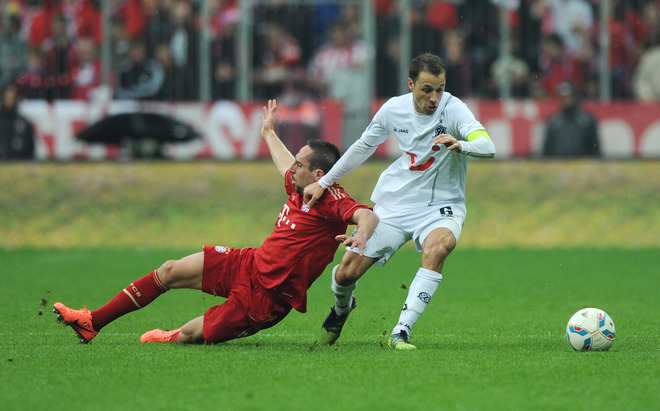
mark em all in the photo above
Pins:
pixel 86 75
pixel 261 284
pixel 32 82
pixel 40 22
pixel 557 65
pixel 281 55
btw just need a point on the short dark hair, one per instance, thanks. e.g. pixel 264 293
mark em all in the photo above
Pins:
pixel 324 155
pixel 426 62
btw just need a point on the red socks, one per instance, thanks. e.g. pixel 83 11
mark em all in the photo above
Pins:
pixel 137 295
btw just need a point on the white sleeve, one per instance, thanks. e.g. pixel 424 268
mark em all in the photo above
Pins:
pixel 356 154
pixel 482 147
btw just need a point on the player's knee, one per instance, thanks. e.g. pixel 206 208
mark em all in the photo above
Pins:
pixel 345 275
pixel 349 272
pixel 168 273
pixel 438 251
pixel 191 336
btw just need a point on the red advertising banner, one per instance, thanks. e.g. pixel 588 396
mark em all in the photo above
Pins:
pixel 626 129
pixel 227 130
pixel 231 131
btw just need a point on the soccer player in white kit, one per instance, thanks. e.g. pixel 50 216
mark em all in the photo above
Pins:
pixel 420 196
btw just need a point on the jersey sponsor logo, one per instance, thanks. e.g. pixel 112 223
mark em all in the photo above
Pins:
pixel 400 130
pixel 284 218
pixel 420 167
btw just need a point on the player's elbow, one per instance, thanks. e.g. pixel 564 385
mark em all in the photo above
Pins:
pixel 365 218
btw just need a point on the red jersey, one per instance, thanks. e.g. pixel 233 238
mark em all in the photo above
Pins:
pixel 303 243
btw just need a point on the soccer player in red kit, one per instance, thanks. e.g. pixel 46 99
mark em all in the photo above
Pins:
pixel 261 284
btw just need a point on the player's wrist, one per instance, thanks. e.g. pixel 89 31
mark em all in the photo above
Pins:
pixel 323 183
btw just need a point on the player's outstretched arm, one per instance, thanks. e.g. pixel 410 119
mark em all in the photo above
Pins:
pixel 356 154
pixel 281 156
pixel 366 221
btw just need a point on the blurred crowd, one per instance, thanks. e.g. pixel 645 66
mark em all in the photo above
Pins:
pixel 51 49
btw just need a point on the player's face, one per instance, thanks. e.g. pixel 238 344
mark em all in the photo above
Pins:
pixel 427 91
pixel 302 175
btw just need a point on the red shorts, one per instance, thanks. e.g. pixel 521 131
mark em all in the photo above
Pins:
pixel 249 307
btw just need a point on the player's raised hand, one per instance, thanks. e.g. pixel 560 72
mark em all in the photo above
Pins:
pixel 352 241
pixel 268 122
pixel 448 141
pixel 312 193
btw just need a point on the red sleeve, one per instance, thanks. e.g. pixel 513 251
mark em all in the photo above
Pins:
pixel 341 204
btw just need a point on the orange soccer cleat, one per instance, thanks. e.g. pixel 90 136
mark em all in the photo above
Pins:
pixel 159 336
pixel 79 320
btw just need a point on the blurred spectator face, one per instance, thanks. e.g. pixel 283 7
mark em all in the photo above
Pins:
pixel 339 36
pixel 138 52
pixel 567 96
pixel 10 97
pixel 454 46
pixel 551 47
pixel 59 26
pixel 181 13
pixel 35 61
pixel 651 13
pixel 87 49
pixel 164 55
pixel 275 36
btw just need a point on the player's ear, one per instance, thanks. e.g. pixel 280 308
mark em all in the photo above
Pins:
pixel 410 84
pixel 318 173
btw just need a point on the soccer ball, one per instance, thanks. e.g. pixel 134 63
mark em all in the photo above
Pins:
pixel 590 329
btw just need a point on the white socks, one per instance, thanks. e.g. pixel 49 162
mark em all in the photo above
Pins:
pixel 343 295
pixel 419 295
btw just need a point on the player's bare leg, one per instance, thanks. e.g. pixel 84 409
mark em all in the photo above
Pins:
pixel 435 249
pixel 190 333
pixel 344 280
pixel 184 273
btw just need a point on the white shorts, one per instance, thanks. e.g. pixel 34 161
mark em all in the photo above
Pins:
pixel 395 228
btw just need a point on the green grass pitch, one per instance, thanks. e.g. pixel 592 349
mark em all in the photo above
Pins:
pixel 493 338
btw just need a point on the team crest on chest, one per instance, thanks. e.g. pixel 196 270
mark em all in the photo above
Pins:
pixel 440 129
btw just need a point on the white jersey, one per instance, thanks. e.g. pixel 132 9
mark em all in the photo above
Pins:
pixel 426 174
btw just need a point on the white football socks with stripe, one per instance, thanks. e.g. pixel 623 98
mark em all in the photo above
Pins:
pixel 343 294
pixel 421 290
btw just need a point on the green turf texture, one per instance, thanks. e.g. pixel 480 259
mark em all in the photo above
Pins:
pixel 493 338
